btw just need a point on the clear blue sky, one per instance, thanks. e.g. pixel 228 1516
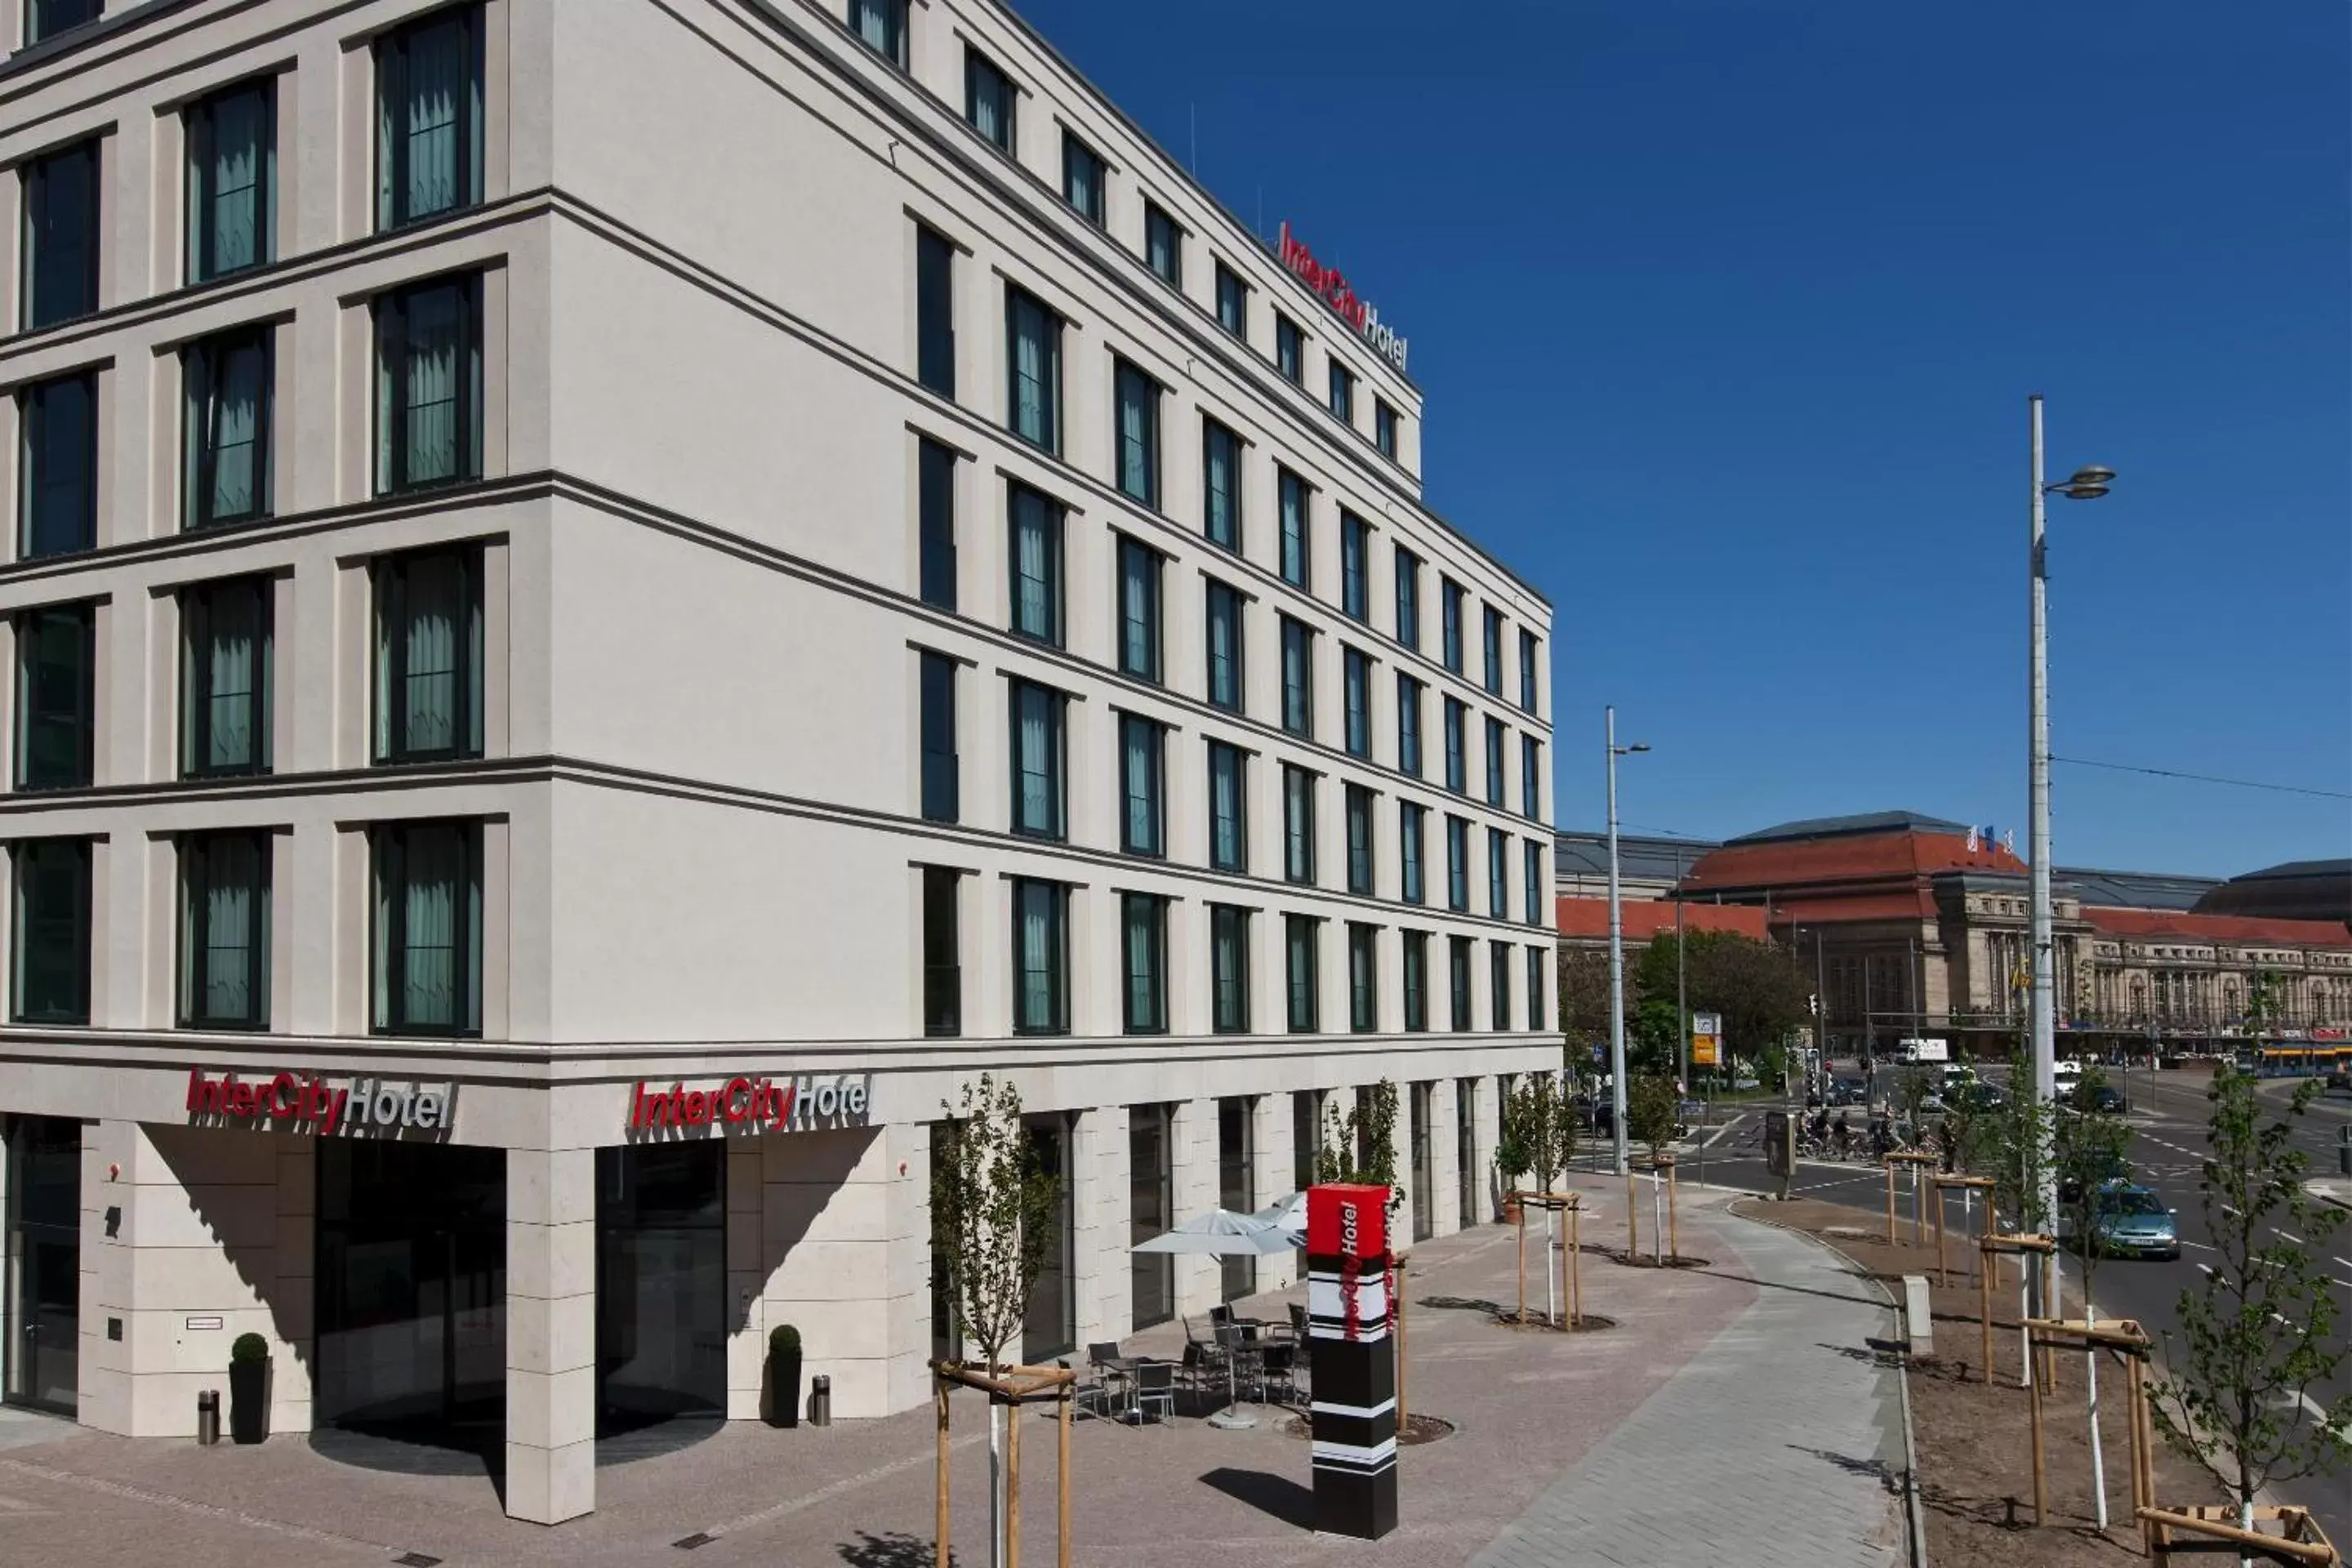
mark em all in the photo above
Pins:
pixel 1727 311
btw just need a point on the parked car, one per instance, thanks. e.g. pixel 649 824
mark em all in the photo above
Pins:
pixel 1849 1092
pixel 2126 1220
pixel 2102 1100
pixel 2109 1170
pixel 1978 1096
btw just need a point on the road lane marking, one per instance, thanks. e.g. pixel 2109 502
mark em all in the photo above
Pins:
pixel 2290 1235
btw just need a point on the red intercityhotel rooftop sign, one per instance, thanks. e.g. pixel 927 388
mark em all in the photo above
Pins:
pixel 1335 293
pixel 327 1105
pixel 763 1103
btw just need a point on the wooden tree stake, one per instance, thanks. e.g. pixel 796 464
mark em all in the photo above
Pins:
pixel 2033 1396
pixel 1575 1265
pixel 1523 1260
pixel 1890 1203
pixel 1062 1485
pixel 1673 1219
pixel 1013 1480
pixel 1984 1308
pixel 1943 1275
pixel 1632 1216
pixel 940 1550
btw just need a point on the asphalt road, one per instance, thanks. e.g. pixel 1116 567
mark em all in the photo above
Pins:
pixel 2167 1119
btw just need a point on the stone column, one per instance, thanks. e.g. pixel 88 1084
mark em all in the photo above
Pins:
pixel 1098 1223
pixel 1485 1132
pixel 297 1295
pixel 1192 1135
pixel 1275 1176
pixel 550 1450
pixel 845 1255
pixel 1444 1159
pixel 747 1318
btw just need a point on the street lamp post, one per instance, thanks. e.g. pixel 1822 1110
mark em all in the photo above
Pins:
pixel 1616 948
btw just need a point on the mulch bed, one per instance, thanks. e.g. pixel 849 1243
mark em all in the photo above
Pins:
pixel 1974 1441
pixel 1650 1260
pixel 1535 1322
pixel 1416 1430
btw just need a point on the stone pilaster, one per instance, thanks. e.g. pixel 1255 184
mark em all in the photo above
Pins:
pixel 1275 1176
pixel 550 1446
pixel 1104 1282
pixel 1485 1132
pixel 845 1239
pixel 1444 1159
pixel 747 1318
pixel 1193 1132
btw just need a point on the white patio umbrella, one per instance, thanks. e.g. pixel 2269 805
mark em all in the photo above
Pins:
pixel 1222 1233
pixel 1288 1216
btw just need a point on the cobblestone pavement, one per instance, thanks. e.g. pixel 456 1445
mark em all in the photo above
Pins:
pixel 1778 1443
pixel 1712 1386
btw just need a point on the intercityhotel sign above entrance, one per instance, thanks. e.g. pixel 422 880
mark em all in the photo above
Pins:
pixel 1335 293
pixel 755 1104
pixel 327 1106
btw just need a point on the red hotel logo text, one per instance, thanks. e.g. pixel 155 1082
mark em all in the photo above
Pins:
pixel 760 1102
pixel 1337 293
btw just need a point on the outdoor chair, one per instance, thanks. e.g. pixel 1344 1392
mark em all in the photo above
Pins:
pixel 1203 1368
pixel 1244 1362
pixel 1220 1316
pixel 1111 1383
pixel 1278 1361
pixel 1155 1384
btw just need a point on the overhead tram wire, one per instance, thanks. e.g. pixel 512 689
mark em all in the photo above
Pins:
pixel 2205 778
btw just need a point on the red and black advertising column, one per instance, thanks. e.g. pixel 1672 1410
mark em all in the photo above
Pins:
pixel 1350 1322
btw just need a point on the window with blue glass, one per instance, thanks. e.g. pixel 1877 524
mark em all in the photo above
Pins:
pixel 224 960
pixel 1229 968
pixel 1139 610
pixel 1384 427
pixel 1408 598
pixel 1228 807
pixel 1343 391
pixel 1041 957
pixel 1359 812
pixel 61 235
pixel 1493 650
pixel 1498 877
pixel 1494 761
pixel 1457 768
pixel 1296 557
pixel 1530 660
pixel 224 460
pixel 225 676
pixel 1531 852
pixel 1535 989
pixel 57 502
pixel 1143 947
pixel 232 180
pixel 428 959
pixel 1363 984
pixel 428 384
pixel 1035 526
pixel 881 26
pixel 1290 348
pixel 942 951
pixel 1530 778
pixel 1457 863
pixel 47 19
pixel 1416 981
pixel 1298 824
pixel 1450 611
pixel 1233 301
pixel 1163 244
pixel 990 100
pixel 1142 827
pixel 935 351
pixel 1136 399
pixel 50 974
pixel 1355 550
pixel 1221 486
pixel 941 769
pixel 1033 336
pixel 1356 688
pixel 1040 761
pixel 428 117
pixel 935 509
pixel 1498 986
pixel 1225 640
pixel 1297 678
pixel 428 656
pixel 1410 820
pixel 1458 967
pixel 1084 179
pixel 57 697
pixel 1302 936
pixel 1409 725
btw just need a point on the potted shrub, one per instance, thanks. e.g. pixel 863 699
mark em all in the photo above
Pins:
pixel 783 1376
pixel 248 1389
pixel 1511 1167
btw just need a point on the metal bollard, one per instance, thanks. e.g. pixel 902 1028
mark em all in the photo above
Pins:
pixel 208 1416
pixel 821 1401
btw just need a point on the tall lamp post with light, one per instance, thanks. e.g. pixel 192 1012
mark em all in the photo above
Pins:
pixel 2088 484
pixel 1616 947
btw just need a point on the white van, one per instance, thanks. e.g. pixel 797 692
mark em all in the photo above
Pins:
pixel 2067 1071
pixel 1913 1053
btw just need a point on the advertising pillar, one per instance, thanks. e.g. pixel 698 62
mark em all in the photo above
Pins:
pixel 1350 1321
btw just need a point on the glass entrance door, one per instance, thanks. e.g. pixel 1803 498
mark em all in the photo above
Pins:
pixel 661 1284
pixel 43 1263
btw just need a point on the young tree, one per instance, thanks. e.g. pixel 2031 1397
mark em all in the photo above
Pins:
pixel 2018 1135
pixel 1584 994
pixel 1540 1124
pixel 1912 1087
pixel 2090 1149
pixel 1360 1146
pixel 1652 1105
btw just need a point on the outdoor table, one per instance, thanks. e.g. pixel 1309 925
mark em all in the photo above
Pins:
pixel 1123 1368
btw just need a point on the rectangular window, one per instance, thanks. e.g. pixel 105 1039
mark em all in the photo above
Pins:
pixel 1035 548
pixel 57 697
pixel 1225 646
pixel 1498 986
pixel 1144 943
pixel 1457 864
pixel 935 505
pixel 61 244
pixel 990 100
pixel 1136 397
pixel 428 656
pixel 1297 678
pixel 1457 767
pixel 428 117
pixel 232 180
pixel 1530 778
pixel 1493 650
pixel 1355 545
pixel 1033 355
pixel 1498 874
pixel 428 929
pixel 1458 968
pixel 1535 989
pixel 1300 940
pixel 1384 428
pixel 1363 969
pixel 225 931
pixel 1289 349
pixel 1041 957
pixel 1228 807
pixel 1530 660
pixel 1495 783
pixel 1531 853
pixel 1163 244
pixel 941 769
pixel 1410 819
pixel 225 676
pixel 881 26
pixel 1040 763
pixel 1360 840
pixel 1221 486
pixel 52 936
pixel 1343 392
pixel 1356 690
pixel 1298 824
pixel 935 352
pixel 1229 979
pixel 1408 598
pixel 1142 746
pixel 57 499
pixel 1416 982
pixel 1409 725
pixel 1084 179
pixel 1233 301
pixel 46 19
pixel 1450 611
pixel 225 439
pixel 428 384
pixel 942 953
pixel 1139 610
pixel 1296 556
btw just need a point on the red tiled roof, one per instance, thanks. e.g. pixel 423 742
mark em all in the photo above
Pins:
pixel 1859 857
pixel 2183 925
pixel 1644 918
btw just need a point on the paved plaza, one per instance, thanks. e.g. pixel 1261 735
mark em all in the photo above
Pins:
pixel 1735 1414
